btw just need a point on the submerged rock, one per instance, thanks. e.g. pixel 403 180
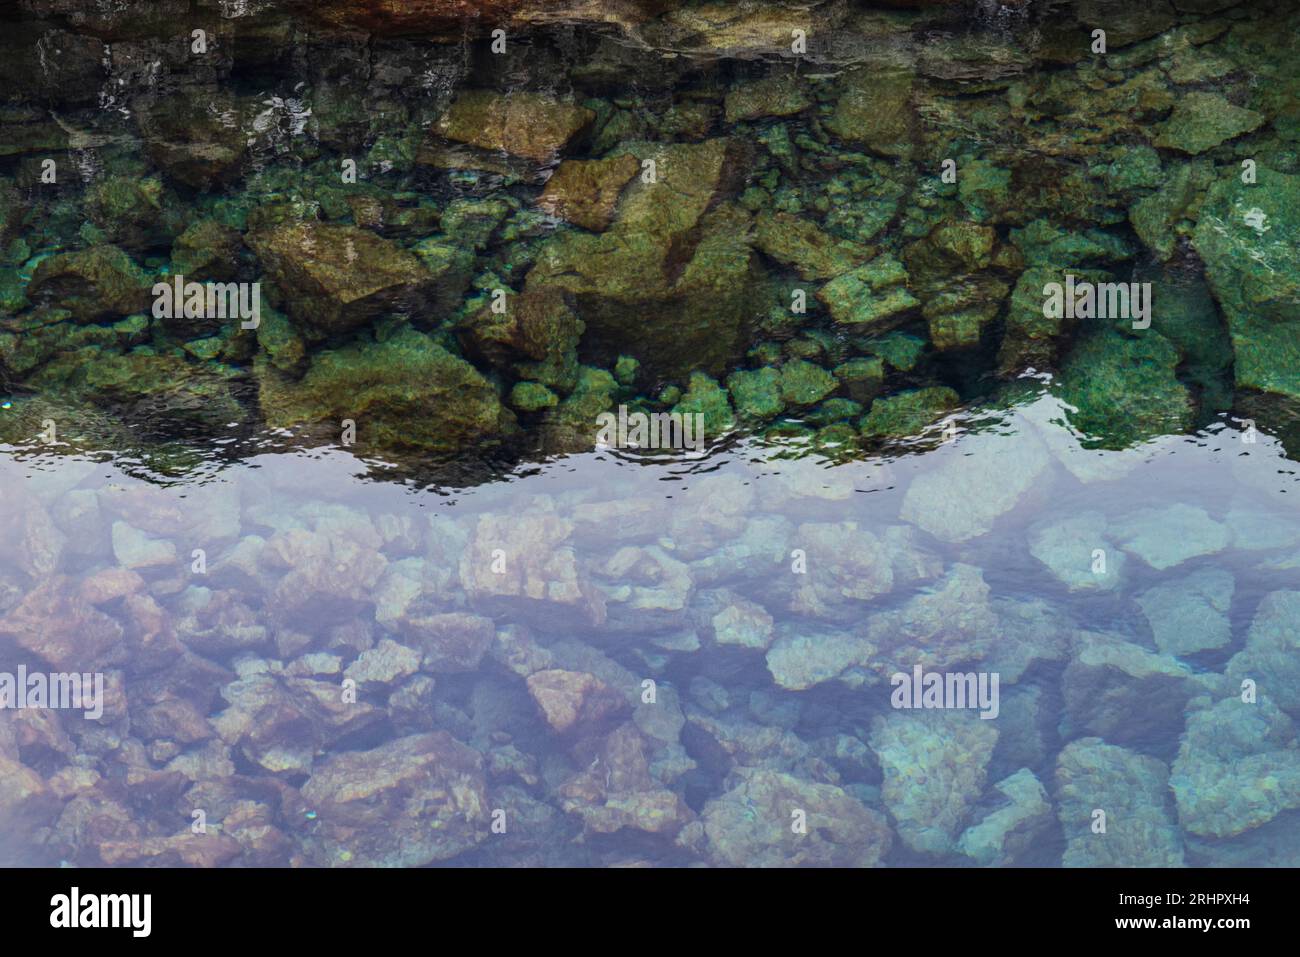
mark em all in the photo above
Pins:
pixel 1270 656
pixel 1246 236
pixel 935 764
pixel 407 803
pixel 91 283
pixel 1238 767
pixel 524 564
pixel 404 392
pixel 1013 830
pixel 586 192
pixel 619 791
pixel 1168 536
pixel 1123 389
pixel 1201 121
pixel 1070 547
pixel 1113 807
pixel 750 825
pixel 674 272
pixel 961 497
pixel 946 624
pixel 530 125
pixel 874 110
pixel 1190 615
pixel 1118 690
pixel 336 278
pixel 871 298
pixel 572 700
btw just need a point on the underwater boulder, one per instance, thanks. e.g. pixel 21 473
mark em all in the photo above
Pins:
pixel 935 765
pixel 674 273
pixel 540 577
pixel 91 283
pixel 586 192
pixel 1247 236
pixel 1131 790
pixel 335 278
pixel 749 826
pixel 410 802
pixel 1238 767
pixel 1017 826
pixel 406 392
pixel 531 126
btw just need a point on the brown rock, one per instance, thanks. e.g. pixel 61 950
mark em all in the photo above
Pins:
pixel 336 278
pixel 52 621
pixel 179 850
pixel 571 699
pixel 585 192
pixel 407 803
pixel 530 125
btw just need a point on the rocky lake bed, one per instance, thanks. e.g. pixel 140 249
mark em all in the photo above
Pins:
pixel 570 434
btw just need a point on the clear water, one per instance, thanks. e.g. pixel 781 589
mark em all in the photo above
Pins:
pixel 323 655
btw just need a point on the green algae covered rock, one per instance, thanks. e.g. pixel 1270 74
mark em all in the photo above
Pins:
pixel 874 110
pixel 1032 338
pixel 586 192
pixel 91 283
pixel 130 211
pixel 532 397
pixel 1247 236
pixel 571 426
pixel 756 393
pixel 770 96
pixel 814 254
pixel 334 279
pixel 805 383
pixel 207 250
pixel 873 297
pixel 674 272
pixel 1123 389
pixel 705 397
pixel 406 392
pixel 908 413
pixel 862 378
pixel 536 337
pixel 900 350
pixel 1201 121
pixel 47 335
pixel 1158 218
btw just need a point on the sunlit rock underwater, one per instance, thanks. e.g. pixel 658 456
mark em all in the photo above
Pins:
pixel 653 432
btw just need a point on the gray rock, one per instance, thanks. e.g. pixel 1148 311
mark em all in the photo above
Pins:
pixel 1191 614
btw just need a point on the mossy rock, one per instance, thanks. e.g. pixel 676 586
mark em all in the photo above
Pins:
pixel 406 392
pixel 907 413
